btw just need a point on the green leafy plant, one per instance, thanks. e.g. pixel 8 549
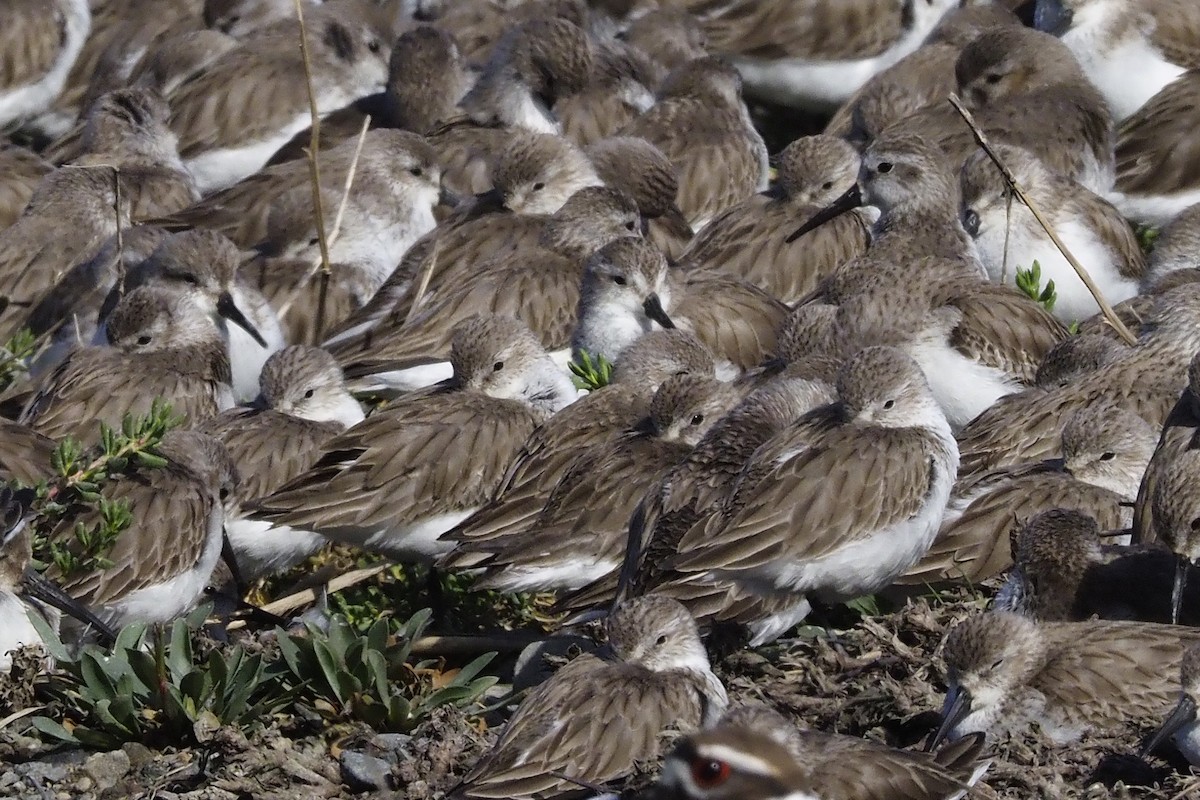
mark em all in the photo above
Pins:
pixel 13 356
pixel 339 675
pixel 154 686
pixel 78 477
pixel 1029 281
pixel 1147 236
pixel 591 373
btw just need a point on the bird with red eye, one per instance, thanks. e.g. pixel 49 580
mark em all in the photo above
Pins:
pixel 709 773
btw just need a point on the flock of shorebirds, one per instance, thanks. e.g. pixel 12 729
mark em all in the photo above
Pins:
pixel 828 381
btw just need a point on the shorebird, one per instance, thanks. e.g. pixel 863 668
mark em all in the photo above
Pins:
pixel 1129 50
pixel 1176 505
pixel 427 77
pixel 1063 572
pixel 1077 356
pixel 71 214
pixel 43 40
pixel 127 129
pixel 302 404
pixel 539 285
pixel 23 591
pixel 750 242
pixel 1176 246
pixel 158 574
pixel 701 124
pixel 590 423
pixel 1105 451
pixel 163 345
pixel 642 171
pixel 1156 148
pixel 1025 427
pixel 227 132
pixel 397 480
pixel 803 523
pixel 1179 434
pixel 1008 237
pixel 1005 672
pixel 921 79
pixel 696 490
pixel 755 752
pixel 816 60
pixel 1181 725
pixel 658 678
pixel 580 534
pixel 617 91
pixel 669 35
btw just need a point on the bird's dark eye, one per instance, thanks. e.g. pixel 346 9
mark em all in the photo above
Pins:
pixel 499 365
pixel 373 45
pixel 308 395
pixel 313 241
pixel 1196 524
pixel 697 419
pixel 827 185
pixel 889 404
pixel 709 773
pixel 619 280
pixel 994 78
pixel 537 187
pixel 1107 456
pixel 190 280
pixel 224 494
pixel 885 167
pixel 996 664
pixel 417 172
pixel 630 225
pixel 661 640
pixel 143 340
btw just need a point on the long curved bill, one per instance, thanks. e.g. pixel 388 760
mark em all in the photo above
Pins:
pixel 37 586
pixel 1181 571
pixel 229 310
pixel 851 200
pixel 1183 715
pixel 954 711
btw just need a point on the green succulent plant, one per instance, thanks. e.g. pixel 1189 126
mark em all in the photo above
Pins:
pixel 590 372
pixel 1029 281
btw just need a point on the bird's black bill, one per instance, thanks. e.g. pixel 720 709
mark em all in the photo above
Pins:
pixel 954 711
pixel 1183 715
pixel 448 198
pixel 1052 17
pixel 655 311
pixel 850 200
pixel 489 202
pixel 1181 571
pixel 37 586
pixel 229 310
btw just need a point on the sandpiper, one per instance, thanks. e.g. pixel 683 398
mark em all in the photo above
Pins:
pixel 593 421
pixel 43 40
pixel 580 534
pixel 396 481
pixel 1179 434
pixel 1025 427
pixel 302 404
pixel 71 214
pixel 1182 724
pixel 701 102
pixel 789 536
pixel 817 60
pixel 659 677
pixel 1176 245
pixel 618 89
pixel 1155 150
pixel 1129 50
pixel 24 592
pixel 1006 672
pixel 748 240
pixel 127 129
pixel 1076 356
pixel 163 345
pixel 227 132
pixel 538 285
pixel 1063 572
pixel 156 574
pixel 1105 450
pixel 755 752
pixel 1176 505
pixel 1008 237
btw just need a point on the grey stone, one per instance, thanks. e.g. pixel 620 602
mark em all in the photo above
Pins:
pixel 107 769
pixel 391 743
pixel 362 772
